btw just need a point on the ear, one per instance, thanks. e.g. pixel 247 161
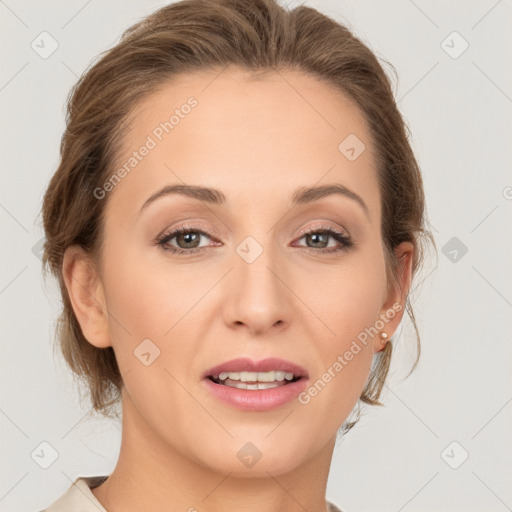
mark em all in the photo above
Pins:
pixel 393 307
pixel 85 291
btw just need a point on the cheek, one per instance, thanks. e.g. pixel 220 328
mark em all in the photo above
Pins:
pixel 148 320
pixel 158 310
pixel 149 299
pixel 353 294
pixel 345 361
pixel 350 307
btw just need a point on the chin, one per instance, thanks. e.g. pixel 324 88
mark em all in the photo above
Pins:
pixel 255 459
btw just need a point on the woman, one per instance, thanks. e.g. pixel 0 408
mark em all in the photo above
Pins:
pixel 235 225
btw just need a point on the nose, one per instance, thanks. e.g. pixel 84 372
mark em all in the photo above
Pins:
pixel 258 298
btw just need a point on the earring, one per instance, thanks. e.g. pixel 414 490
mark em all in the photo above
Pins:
pixel 384 337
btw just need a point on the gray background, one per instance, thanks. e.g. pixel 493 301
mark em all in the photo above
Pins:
pixel 399 457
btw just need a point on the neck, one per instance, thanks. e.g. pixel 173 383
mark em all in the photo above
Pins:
pixel 153 475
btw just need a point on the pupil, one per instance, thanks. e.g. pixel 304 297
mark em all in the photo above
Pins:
pixel 316 238
pixel 187 237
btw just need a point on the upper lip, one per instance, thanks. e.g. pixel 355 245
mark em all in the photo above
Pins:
pixel 248 365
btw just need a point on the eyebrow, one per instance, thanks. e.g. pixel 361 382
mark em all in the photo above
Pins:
pixel 302 195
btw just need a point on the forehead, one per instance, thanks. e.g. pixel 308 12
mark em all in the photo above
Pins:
pixel 232 130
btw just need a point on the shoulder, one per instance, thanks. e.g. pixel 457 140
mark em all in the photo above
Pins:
pixel 332 507
pixel 78 497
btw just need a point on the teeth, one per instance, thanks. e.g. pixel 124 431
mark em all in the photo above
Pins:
pixel 257 376
pixel 260 385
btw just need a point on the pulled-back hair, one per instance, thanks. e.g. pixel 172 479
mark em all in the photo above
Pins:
pixel 198 35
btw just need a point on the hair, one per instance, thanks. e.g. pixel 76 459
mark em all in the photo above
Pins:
pixel 197 35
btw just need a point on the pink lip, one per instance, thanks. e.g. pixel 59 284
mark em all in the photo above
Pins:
pixel 260 399
pixel 257 400
pixel 248 365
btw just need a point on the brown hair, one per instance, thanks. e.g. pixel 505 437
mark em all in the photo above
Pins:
pixel 257 35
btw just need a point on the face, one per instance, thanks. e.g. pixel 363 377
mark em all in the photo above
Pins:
pixel 253 274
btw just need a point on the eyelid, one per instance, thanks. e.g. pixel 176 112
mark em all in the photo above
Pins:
pixel 340 231
pixel 341 235
pixel 192 226
pixel 210 232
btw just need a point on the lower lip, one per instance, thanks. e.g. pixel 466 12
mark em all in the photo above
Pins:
pixel 257 400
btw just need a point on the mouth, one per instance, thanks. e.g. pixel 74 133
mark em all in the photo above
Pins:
pixel 256 385
pixel 254 381
pixel 242 372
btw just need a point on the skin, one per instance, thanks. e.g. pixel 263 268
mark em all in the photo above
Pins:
pixel 257 141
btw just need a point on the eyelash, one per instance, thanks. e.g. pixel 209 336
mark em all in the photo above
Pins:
pixel 345 240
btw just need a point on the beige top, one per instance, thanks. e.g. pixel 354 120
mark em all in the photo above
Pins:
pixel 79 498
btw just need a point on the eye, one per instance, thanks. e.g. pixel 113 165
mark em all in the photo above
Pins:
pixel 320 236
pixel 187 238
